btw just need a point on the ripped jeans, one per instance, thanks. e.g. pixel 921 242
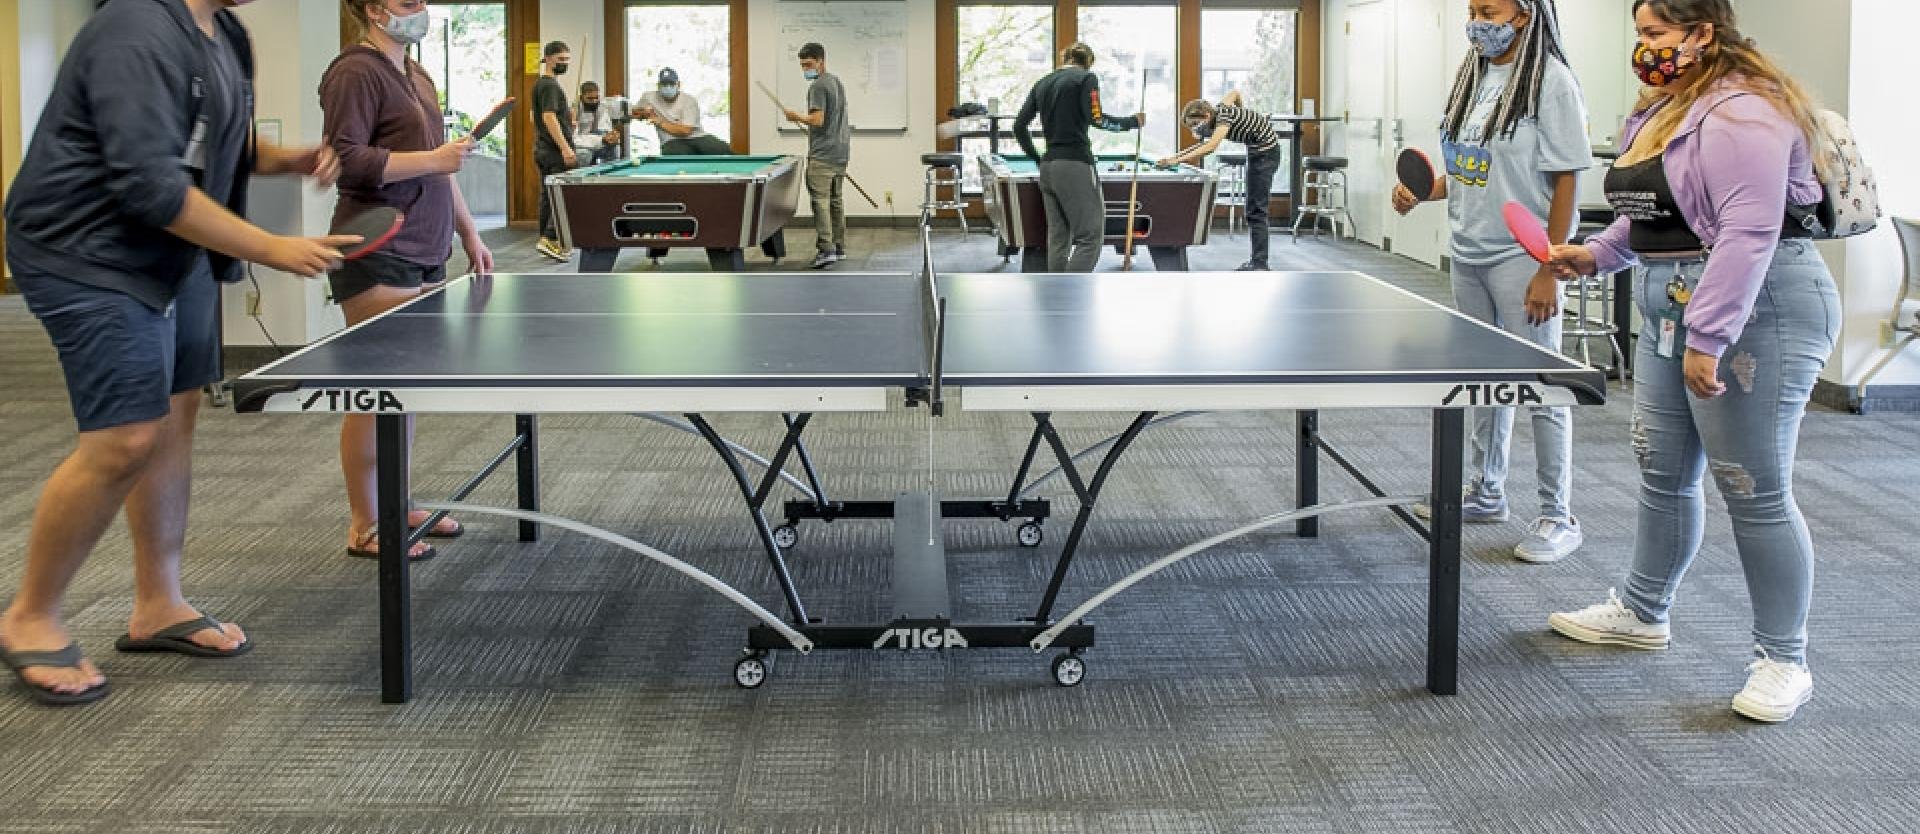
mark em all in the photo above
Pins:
pixel 1746 437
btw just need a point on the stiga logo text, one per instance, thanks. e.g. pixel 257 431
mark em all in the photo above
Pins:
pixel 1495 394
pixel 353 401
pixel 921 638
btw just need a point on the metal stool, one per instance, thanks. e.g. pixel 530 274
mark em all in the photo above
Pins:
pixel 1583 325
pixel 1324 184
pixel 943 170
pixel 1232 191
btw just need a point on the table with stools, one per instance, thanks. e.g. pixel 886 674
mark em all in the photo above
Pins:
pixel 1325 195
pixel 943 171
pixel 1233 186
pixel 1295 130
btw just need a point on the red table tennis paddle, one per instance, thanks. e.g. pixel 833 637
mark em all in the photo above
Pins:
pixel 1416 173
pixel 1528 230
pixel 375 227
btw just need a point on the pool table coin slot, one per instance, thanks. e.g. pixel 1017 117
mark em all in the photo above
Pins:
pixel 654 208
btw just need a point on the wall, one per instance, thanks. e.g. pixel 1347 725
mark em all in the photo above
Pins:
pixel 33 38
pixel 882 162
pixel 1885 122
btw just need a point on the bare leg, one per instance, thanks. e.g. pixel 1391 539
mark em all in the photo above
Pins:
pixel 157 517
pixel 80 499
pixel 358 452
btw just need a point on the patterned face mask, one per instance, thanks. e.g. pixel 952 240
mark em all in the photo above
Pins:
pixel 1492 39
pixel 1659 66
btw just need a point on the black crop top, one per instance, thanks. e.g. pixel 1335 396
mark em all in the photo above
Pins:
pixel 1642 194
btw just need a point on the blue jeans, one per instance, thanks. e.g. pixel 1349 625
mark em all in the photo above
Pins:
pixel 1497 294
pixel 1747 437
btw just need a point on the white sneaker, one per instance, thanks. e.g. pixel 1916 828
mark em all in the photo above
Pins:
pixel 1552 539
pixel 1611 623
pixel 1775 690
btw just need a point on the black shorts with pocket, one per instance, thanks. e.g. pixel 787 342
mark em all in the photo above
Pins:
pixel 123 359
pixel 378 269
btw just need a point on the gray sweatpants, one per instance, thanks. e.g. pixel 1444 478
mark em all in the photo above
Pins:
pixel 1076 215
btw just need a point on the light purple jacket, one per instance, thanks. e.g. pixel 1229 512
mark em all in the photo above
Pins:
pixel 1734 164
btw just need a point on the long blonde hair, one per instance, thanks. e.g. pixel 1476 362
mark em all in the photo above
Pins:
pixel 1730 55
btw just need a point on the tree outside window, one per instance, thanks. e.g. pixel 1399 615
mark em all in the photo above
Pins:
pixel 1004 49
pixel 1252 51
pixel 1127 40
pixel 466 52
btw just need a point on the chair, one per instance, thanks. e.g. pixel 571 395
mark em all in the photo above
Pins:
pixel 1584 294
pixel 1905 307
pixel 1232 191
pixel 1324 184
pixel 943 171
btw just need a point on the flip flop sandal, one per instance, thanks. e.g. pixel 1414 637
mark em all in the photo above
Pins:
pixel 67 658
pixel 440 531
pixel 173 638
pixel 360 550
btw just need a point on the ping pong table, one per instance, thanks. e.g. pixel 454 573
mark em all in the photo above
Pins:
pixel 1155 347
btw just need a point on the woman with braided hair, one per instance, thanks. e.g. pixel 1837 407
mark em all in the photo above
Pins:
pixel 1515 130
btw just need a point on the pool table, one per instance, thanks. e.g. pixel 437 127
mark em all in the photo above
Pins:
pixel 1176 207
pixel 723 204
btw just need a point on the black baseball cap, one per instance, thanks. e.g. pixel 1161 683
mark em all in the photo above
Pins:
pixel 668 76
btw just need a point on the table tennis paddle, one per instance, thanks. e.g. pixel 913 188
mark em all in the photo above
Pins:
pixel 1416 173
pixel 375 227
pixel 492 120
pixel 1528 230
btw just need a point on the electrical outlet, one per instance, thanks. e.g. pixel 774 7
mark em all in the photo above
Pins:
pixel 253 303
pixel 889 198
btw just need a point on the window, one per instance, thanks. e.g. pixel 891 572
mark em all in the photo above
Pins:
pixel 1251 50
pixel 1004 49
pixel 466 53
pixel 1126 41
pixel 693 39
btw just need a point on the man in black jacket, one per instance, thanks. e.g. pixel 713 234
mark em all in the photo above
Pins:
pixel 126 215
pixel 1068 103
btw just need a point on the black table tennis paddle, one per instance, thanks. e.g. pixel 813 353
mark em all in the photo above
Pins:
pixel 1416 173
pixel 492 120
pixel 375 227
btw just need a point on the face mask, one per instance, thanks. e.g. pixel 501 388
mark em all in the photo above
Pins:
pixel 810 74
pixel 1197 128
pixel 1492 39
pixel 1659 66
pixel 408 29
pixel 591 105
pixel 669 93
pixel 559 69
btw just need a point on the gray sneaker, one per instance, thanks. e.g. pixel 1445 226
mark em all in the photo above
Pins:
pixel 824 260
pixel 1552 539
pixel 1476 507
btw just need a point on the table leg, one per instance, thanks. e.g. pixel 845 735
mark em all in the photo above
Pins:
pixel 1033 259
pixel 775 246
pixel 396 639
pixel 1443 579
pixel 598 260
pixel 1623 320
pixel 1306 471
pixel 1168 258
pixel 1294 176
pixel 727 260
pixel 527 466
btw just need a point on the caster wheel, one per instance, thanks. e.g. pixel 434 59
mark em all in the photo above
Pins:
pixel 1069 670
pixel 1031 534
pixel 750 672
pixel 786 535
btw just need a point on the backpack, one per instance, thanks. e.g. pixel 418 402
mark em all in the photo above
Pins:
pixel 1851 204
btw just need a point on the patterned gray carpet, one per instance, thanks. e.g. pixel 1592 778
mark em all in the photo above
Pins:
pixel 1273 685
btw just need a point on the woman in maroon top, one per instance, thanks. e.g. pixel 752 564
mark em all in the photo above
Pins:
pixel 383 121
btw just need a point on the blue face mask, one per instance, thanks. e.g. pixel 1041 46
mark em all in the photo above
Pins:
pixel 810 74
pixel 1492 39
pixel 669 93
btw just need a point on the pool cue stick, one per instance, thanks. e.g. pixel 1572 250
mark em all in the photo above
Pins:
pixel 805 129
pixel 1133 191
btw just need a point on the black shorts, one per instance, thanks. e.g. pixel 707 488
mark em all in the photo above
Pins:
pixel 380 270
pixel 124 360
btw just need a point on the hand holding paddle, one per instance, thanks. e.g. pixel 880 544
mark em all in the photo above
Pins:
pixel 1417 180
pixel 306 257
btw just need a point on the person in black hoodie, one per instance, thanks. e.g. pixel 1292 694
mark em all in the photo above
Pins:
pixel 126 215
pixel 1067 102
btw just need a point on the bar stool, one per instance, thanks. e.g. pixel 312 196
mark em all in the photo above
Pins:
pixel 1584 324
pixel 1232 191
pixel 943 170
pixel 1324 187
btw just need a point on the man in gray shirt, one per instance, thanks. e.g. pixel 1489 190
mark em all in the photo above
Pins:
pixel 829 144
pixel 675 116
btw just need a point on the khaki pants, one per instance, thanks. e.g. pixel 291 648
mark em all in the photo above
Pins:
pixel 824 180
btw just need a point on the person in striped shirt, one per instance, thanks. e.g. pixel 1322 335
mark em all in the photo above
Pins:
pixel 1232 121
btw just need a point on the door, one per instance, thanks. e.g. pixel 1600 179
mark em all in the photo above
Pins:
pixel 1422 77
pixel 466 52
pixel 1369 36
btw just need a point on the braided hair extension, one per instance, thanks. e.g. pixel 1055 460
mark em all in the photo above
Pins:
pixel 1539 43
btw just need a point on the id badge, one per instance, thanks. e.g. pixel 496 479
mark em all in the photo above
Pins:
pixel 1673 334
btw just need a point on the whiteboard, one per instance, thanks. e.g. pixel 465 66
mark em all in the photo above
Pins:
pixel 866 43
